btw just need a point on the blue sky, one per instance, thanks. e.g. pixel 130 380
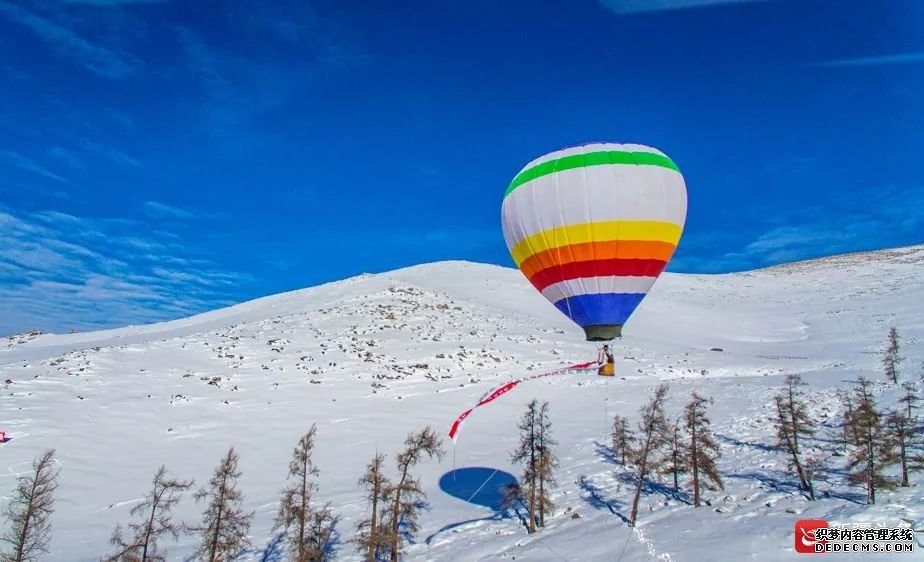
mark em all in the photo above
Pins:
pixel 160 158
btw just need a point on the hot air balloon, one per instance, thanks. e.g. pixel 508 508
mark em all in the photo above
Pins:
pixel 593 226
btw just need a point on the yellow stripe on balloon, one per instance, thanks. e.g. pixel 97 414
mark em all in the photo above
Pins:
pixel 655 231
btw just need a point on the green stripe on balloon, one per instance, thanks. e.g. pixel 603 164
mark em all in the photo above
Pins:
pixel 591 159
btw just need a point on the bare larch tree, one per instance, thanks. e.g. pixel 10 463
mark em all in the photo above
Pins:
pixel 871 452
pixel 527 454
pixel 623 439
pixel 322 533
pixel 29 511
pixel 296 512
pixel 916 437
pixel 848 430
pixel 900 432
pixel 372 532
pixel 909 400
pixel 904 434
pixel 406 495
pixel 792 423
pixel 675 462
pixel 548 462
pixel 703 449
pixel 157 521
pixel 225 524
pixel 892 357
pixel 653 434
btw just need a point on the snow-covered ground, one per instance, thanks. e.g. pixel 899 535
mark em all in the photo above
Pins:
pixel 375 357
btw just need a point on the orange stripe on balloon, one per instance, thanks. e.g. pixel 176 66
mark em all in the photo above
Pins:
pixel 590 251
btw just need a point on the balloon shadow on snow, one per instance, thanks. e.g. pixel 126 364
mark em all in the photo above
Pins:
pixel 478 485
pixel 492 488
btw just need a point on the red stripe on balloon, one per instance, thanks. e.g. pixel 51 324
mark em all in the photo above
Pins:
pixel 597 268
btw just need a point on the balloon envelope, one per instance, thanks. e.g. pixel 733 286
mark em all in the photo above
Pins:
pixel 593 226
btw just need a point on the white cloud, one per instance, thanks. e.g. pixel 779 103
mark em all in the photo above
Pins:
pixel 805 233
pixel 899 58
pixel 59 272
pixel 106 62
pixel 112 3
pixel 67 157
pixel 113 154
pixel 158 210
pixel 637 6
pixel 19 161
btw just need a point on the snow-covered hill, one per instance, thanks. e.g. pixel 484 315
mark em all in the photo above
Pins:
pixel 375 357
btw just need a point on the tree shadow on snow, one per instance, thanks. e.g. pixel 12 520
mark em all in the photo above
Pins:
pixel 594 496
pixel 274 550
pixel 272 553
pixel 607 452
pixel 740 443
pixel 789 485
pixel 853 497
pixel 403 528
pixel 777 484
pixel 859 499
pixel 334 540
pixel 649 487
pixel 451 526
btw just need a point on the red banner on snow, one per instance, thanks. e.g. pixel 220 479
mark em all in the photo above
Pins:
pixel 500 391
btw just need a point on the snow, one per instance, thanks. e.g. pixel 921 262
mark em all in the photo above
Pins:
pixel 372 358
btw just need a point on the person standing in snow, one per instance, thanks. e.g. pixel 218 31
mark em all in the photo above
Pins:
pixel 607 369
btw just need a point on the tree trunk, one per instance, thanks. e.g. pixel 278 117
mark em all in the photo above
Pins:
pixel 905 482
pixel 532 482
pixel 396 508
pixel 695 460
pixel 541 492
pixel 792 419
pixel 801 473
pixel 221 502
pixel 870 468
pixel 532 507
pixel 676 454
pixel 24 534
pixel 147 532
pixel 638 494
pixel 302 512
pixel 643 466
pixel 373 529
pixel 790 443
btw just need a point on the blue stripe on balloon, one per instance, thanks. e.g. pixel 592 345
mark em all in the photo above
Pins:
pixel 600 309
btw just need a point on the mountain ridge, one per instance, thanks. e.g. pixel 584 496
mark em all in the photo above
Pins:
pixel 373 357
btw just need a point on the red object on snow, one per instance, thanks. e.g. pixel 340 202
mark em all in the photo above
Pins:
pixel 454 429
pixel 2 437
